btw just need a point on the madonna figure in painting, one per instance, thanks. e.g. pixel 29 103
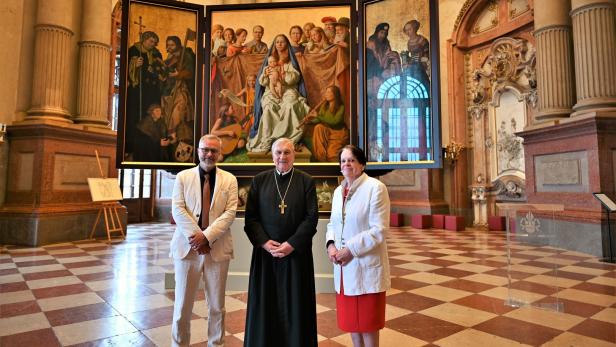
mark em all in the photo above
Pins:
pixel 276 117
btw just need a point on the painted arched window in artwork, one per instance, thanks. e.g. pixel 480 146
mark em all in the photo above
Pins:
pixel 403 120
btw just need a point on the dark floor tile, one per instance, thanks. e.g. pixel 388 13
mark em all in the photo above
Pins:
pixel 466 285
pixel 329 343
pixel 50 292
pixel 518 330
pixel 243 297
pixel 503 272
pixel 405 285
pixel 144 320
pixel 412 302
pixel 83 264
pixel 596 329
pixel 540 264
pixel 326 324
pixel 492 263
pixel 13 287
pixel 43 337
pixel 599 266
pixel 34 263
pixel 9 271
pixel 20 255
pixel 574 276
pixel 18 309
pixel 99 276
pixel 136 290
pixel 232 341
pixel 596 288
pixel 327 299
pixel 433 255
pixel 439 262
pixel 573 307
pixel 59 247
pixel 485 303
pixel 235 322
pixel 78 253
pixel 46 274
pixel 399 272
pixel 574 257
pixel 393 262
pixel 455 273
pixel 423 327
pixel 534 287
pixel 79 314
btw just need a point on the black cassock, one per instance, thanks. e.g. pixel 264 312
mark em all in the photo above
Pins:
pixel 281 295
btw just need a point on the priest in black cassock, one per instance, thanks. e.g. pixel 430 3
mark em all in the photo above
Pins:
pixel 281 219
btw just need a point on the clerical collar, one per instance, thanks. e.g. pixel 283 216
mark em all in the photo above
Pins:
pixel 284 173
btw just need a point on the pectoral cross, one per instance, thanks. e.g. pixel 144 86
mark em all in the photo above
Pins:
pixel 282 206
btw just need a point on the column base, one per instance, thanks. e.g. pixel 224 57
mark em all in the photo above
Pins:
pixel 552 115
pixel 47 194
pixel 594 104
pixel 92 122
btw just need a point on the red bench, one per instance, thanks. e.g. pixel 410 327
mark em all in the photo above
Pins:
pixel 497 223
pixel 421 221
pixel 454 223
pixel 438 221
pixel 396 219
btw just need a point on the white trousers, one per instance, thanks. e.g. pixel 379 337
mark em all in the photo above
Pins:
pixel 188 271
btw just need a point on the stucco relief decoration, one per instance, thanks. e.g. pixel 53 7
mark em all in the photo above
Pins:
pixel 517 8
pixel 488 19
pixel 509 146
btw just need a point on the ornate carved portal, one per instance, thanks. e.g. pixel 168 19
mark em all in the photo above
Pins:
pixel 502 99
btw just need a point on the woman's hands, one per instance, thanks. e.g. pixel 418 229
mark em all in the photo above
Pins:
pixel 339 257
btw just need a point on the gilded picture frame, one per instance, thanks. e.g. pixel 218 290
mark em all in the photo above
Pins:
pixel 250 104
pixel 160 84
pixel 399 83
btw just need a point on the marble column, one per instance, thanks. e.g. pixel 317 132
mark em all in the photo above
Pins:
pixel 555 85
pixel 51 61
pixel 94 48
pixel 594 37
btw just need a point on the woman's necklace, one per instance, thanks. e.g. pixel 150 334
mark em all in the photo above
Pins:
pixel 282 205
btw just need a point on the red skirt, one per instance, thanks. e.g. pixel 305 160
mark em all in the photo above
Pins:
pixel 360 313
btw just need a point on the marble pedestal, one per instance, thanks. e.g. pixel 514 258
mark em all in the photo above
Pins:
pixel 48 199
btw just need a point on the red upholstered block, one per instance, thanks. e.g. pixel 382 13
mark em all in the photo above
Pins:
pixel 438 221
pixel 497 223
pixel 454 223
pixel 396 219
pixel 421 221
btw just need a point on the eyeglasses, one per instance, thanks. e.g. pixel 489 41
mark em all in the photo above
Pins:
pixel 212 150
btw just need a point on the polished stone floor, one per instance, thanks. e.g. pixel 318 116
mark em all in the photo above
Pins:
pixel 449 289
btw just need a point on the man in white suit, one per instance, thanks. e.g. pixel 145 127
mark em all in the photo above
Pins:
pixel 202 244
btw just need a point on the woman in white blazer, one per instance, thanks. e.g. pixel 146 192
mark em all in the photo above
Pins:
pixel 356 246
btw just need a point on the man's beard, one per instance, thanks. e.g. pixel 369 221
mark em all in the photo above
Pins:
pixel 340 37
pixel 330 33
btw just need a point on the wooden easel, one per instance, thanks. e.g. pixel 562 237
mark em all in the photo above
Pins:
pixel 112 220
pixel 113 223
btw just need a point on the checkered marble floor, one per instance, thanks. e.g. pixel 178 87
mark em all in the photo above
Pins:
pixel 449 289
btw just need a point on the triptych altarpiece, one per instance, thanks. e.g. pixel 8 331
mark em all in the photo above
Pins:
pixel 322 73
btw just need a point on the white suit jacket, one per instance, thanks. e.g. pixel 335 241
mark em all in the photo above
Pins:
pixel 186 208
pixel 362 230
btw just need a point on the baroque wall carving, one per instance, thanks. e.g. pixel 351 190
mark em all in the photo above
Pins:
pixel 501 97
